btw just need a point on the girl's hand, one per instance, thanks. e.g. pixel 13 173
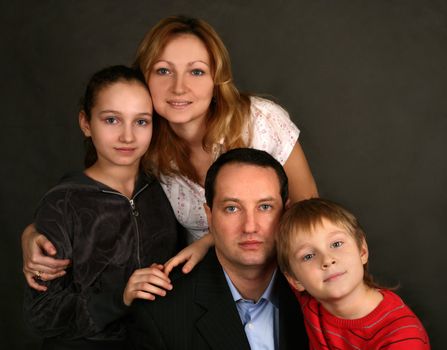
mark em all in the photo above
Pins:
pixel 37 261
pixel 146 284
pixel 191 255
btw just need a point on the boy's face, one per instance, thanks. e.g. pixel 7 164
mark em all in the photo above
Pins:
pixel 328 263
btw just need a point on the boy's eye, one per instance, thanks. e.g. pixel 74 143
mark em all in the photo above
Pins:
pixel 307 257
pixel 111 120
pixel 231 209
pixel 163 71
pixel 337 244
pixel 198 72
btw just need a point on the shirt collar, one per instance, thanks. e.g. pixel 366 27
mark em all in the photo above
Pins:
pixel 269 294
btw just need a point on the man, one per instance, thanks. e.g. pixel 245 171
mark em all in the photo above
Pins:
pixel 235 298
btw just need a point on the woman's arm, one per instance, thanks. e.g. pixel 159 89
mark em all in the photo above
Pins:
pixel 301 182
pixel 38 263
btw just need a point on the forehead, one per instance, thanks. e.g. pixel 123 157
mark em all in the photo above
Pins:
pixel 246 181
pixel 184 44
pixel 321 229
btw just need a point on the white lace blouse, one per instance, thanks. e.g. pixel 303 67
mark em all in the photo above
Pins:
pixel 273 132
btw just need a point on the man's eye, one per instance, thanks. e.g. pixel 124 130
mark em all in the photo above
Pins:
pixel 265 207
pixel 231 209
pixel 337 244
pixel 307 257
pixel 163 71
pixel 198 72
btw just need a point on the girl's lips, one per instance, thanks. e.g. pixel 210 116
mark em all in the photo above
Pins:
pixel 334 276
pixel 125 149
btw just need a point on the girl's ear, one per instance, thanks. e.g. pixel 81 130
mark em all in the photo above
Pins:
pixel 364 254
pixel 84 124
pixel 294 283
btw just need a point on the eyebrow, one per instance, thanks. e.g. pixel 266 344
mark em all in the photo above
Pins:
pixel 189 63
pixel 105 111
pixel 237 200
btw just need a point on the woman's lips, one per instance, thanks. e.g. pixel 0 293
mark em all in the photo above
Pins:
pixel 179 104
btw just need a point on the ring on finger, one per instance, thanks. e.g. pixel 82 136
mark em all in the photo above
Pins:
pixel 38 275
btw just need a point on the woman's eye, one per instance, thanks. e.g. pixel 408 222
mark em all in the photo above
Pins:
pixel 307 257
pixel 111 120
pixel 162 71
pixel 337 244
pixel 197 72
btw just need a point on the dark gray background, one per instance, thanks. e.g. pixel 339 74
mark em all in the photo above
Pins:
pixel 364 80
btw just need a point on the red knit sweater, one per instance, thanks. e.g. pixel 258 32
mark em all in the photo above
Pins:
pixel 391 325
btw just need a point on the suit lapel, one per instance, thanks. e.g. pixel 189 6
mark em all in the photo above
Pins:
pixel 220 324
pixel 292 334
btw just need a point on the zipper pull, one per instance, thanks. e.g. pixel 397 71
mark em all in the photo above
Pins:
pixel 134 209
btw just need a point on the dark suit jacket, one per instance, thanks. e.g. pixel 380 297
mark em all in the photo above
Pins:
pixel 199 313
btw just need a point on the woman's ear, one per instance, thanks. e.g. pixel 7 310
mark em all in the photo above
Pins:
pixel 364 254
pixel 84 124
pixel 294 283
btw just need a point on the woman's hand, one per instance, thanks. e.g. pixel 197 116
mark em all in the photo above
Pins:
pixel 38 263
pixel 146 284
pixel 191 255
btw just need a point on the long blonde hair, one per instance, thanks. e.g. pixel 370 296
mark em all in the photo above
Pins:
pixel 229 109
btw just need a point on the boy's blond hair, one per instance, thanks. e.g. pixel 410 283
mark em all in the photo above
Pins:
pixel 303 217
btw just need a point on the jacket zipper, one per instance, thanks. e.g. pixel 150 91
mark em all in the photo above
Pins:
pixel 135 213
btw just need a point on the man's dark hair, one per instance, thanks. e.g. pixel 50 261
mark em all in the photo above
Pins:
pixel 247 156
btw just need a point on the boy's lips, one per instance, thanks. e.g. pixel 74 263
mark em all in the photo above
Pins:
pixel 334 276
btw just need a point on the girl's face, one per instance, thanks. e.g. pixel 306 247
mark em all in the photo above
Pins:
pixel 328 263
pixel 120 124
pixel 181 81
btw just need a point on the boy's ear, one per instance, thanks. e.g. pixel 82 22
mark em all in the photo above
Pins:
pixel 84 124
pixel 294 282
pixel 288 204
pixel 364 254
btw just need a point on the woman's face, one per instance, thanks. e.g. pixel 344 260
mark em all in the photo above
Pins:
pixel 181 82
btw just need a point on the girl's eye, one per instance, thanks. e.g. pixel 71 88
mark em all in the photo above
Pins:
pixel 337 244
pixel 163 71
pixel 265 207
pixel 111 120
pixel 231 209
pixel 307 257
pixel 142 122
pixel 198 72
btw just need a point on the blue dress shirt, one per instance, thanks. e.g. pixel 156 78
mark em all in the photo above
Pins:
pixel 260 319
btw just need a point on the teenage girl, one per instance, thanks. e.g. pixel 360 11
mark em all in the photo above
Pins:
pixel 108 220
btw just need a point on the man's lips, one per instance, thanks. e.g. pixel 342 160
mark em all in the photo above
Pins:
pixel 250 245
pixel 334 276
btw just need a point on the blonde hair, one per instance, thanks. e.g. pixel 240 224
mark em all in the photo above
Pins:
pixel 228 111
pixel 302 217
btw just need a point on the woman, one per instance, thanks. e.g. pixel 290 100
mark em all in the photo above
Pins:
pixel 199 113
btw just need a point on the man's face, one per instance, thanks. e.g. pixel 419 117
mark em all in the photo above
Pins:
pixel 244 220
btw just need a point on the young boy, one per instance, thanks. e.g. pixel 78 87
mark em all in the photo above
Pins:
pixel 323 253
